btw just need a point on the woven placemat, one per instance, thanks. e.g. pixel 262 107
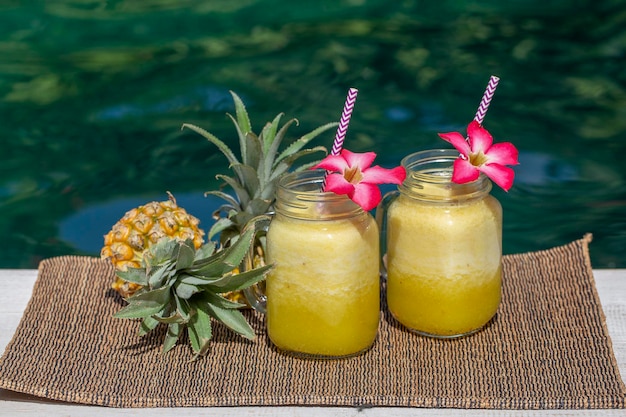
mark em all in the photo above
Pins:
pixel 548 348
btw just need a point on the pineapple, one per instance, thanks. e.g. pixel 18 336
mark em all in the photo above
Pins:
pixel 142 227
pixel 258 171
pixel 181 287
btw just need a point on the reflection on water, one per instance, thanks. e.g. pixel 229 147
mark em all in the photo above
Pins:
pixel 201 98
pixel 543 168
pixel 93 94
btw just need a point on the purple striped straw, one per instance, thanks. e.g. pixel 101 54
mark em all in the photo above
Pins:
pixel 487 96
pixel 343 126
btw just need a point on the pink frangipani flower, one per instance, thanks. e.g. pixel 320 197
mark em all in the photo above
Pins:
pixel 480 154
pixel 352 174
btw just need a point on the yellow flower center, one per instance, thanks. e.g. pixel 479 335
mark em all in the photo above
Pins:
pixel 477 159
pixel 353 175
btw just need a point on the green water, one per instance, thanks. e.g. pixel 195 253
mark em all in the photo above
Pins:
pixel 93 94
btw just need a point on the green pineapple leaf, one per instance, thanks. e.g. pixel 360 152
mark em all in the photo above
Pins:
pixel 242 124
pixel 258 205
pixel 147 325
pixel 220 301
pixel 199 263
pixel 134 275
pixel 175 317
pixel 230 258
pixel 200 332
pixel 239 281
pixel 250 181
pixel 228 153
pixel 145 303
pixel 183 309
pixel 212 269
pixel 257 173
pixel 157 275
pixel 254 149
pixel 174 330
pixel 197 280
pixel 233 255
pixel 233 319
pixel 269 133
pixel 242 115
pixel 240 190
pixel 161 252
pixel 219 226
pixel 185 290
pixel 184 253
pixel 205 251
pixel 180 314
pixel 272 152
pixel 232 202
pixel 303 141
pixel 284 165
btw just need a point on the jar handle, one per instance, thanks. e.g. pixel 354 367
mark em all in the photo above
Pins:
pixel 255 294
pixel 381 220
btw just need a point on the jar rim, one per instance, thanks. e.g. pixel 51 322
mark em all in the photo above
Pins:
pixel 309 184
pixel 430 171
pixel 299 191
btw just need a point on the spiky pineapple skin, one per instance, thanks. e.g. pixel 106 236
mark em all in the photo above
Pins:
pixel 143 227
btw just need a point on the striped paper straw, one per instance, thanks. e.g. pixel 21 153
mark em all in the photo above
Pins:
pixel 343 126
pixel 484 103
pixel 345 120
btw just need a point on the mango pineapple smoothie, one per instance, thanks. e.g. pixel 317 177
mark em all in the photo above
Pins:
pixel 444 273
pixel 323 294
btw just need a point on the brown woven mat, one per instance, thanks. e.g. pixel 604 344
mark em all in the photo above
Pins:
pixel 548 348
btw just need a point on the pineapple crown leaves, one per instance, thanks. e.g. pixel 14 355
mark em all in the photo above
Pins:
pixel 182 287
pixel 260 166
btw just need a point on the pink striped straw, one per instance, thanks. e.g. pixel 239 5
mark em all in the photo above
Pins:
pixel 343 126
pixel 487 96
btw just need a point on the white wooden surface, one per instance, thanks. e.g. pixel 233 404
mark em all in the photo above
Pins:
pixel 16 288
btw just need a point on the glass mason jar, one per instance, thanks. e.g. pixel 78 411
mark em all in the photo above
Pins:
pixel 323 295
pixel 444 249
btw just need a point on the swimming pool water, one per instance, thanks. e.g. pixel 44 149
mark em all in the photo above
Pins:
pixel 93 95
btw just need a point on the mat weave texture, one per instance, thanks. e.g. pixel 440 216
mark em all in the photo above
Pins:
pixel 548 348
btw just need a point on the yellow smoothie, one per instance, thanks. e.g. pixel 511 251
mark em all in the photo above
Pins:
pixel 444 264
pixel 323 293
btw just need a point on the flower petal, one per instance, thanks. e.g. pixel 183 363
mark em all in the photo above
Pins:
pixel 504 153
pixel 378 175
pixel 458 141
pixel 362 160
pixel 366 195
pixel 463 171
pixel 480 140
pixel 335 163
pixel 337 184
pixel 501 175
